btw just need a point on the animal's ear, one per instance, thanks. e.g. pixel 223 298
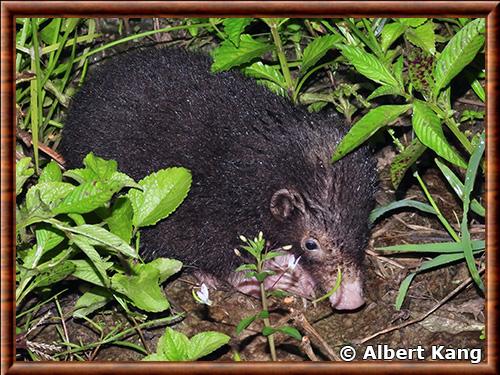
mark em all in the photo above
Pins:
pixel 285 203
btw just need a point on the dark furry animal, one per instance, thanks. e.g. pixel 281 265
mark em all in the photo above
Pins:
pixel 258 163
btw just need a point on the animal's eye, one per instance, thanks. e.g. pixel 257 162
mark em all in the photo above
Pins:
pixel 311 244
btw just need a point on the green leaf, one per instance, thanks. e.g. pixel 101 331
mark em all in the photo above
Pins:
pixel 403 290
pixel 423 37
pixel 45 196
pixel 458 53
pixel 166 267
pixel 50 33
pixel 273 87
pixel 142 289
pixel 23 172
pixel 102 169
pixel 404 160
pixel 379 211
pixel 205 343
pixel 316 50
pixel 413 22
pixel 233 27
pixel 244 323
pixel 162 193
pixel 384 90
pixel 369 65
pixel 55 275
pixel 470 177
pixel 261 71
pixel 390 33
pixel 120 220
pixel 86 246
pixel 51 173
pixel 87 197
pixel 397 67
pixel 87 271
pixel 227 55
pixel 427 126
pixel 48 237
pixel 99 237
pixel 246 267
pixel 173 346
pixel 439 247
pixel 91 301
pixel 458 187
pixel 291 331
pixel 367 126
pixel 267 331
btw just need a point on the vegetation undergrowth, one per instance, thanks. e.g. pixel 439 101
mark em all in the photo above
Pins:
pixel 395 80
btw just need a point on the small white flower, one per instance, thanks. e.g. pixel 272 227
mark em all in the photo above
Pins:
pixel 237 252
pixel 292 262
pixel 243 238
pixel 202 295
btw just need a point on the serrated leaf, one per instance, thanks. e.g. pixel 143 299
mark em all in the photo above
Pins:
pixel 458 53
pixel 246 267
pixel 413 22
pixel 261 71
pixel 99 236
pixel 244 323
pixel 205 343
pixel 102 169
pixel 87 271
pixel 23 172
pixel 369 65
pixel 162 193
pixel 86 246
pixel 56 274
pixel 166 267
pixel 367 126
pixel 379 211
pixel 120 220
pixel 316 50
pixel 143 289
pixel 227 55
pixel 390 33
pixel 173 346
pixel 233 27
pixel 397 67
pixel 427 126
pixel 48 237
pixel 87 197
pixel 45 196
pixel 273 87
pixel 91 301
pixel 404 160
pixel 51 173
pixel 423 37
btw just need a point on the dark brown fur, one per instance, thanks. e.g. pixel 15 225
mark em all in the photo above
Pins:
pixel 161 107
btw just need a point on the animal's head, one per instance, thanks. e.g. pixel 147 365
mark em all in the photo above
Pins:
pixel 324 215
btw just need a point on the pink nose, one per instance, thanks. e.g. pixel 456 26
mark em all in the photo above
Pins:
pixel 349 296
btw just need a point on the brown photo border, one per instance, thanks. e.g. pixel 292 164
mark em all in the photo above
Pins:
pixel 12 9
